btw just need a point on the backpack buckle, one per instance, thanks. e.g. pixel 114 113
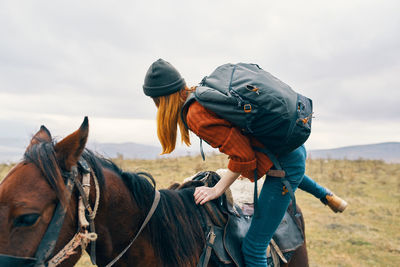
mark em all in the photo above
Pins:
pixel 247 108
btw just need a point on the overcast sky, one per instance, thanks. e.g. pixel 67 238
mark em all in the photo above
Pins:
pixel 62 60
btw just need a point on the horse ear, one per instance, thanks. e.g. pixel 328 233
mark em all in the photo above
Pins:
pixel 71 147
pixel 43 135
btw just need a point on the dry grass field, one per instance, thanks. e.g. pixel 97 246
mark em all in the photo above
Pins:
pixel 366 234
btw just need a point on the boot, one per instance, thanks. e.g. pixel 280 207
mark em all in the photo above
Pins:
pixel 334 202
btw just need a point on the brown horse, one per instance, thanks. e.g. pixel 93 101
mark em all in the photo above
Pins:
pixel 34 188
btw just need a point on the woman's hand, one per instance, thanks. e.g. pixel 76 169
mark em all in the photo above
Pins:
pixel 202 194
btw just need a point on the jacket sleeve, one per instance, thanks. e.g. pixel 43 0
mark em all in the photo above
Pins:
pixel 220 134
pixel 263 162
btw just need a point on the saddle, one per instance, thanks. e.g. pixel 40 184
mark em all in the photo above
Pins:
pixel 226 224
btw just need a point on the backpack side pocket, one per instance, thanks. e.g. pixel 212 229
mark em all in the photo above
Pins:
pixel 301 123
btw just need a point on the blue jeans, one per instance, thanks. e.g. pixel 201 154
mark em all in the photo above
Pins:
pixel 272 206
pixel 310 186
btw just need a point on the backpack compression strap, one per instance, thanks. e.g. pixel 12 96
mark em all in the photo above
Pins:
pixel 280 173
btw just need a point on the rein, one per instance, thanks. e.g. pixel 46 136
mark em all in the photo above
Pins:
pixel 156 200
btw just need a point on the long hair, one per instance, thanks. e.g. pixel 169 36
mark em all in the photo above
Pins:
pixel 168 119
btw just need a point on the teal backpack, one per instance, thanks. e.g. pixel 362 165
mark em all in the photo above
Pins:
pixel 261 106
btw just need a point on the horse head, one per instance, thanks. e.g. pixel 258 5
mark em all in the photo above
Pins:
pixel 31 191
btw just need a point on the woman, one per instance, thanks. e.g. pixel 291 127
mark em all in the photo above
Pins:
pixel 169 91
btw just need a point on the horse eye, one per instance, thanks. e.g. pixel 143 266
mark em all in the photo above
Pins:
pixel 26 219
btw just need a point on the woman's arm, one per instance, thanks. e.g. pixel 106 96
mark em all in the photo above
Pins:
pixel 220 134
pixel 203 194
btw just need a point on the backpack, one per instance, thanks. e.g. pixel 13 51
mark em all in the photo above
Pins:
pixel 259 104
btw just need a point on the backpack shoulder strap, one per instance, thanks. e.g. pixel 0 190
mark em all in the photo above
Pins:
pixel 284 180
pixel 190 99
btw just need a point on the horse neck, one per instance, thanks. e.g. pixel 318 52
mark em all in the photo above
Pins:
pixel 173 236
pixel 117 222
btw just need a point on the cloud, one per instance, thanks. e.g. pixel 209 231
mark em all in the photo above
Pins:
pixel 67 59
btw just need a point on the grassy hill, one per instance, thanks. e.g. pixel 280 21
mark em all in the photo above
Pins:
pixel 389 152
pixel 366 234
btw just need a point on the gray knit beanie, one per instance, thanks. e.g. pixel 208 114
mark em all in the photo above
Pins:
pixel 162 79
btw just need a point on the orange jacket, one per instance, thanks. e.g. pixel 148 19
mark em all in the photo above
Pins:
pixel 221 134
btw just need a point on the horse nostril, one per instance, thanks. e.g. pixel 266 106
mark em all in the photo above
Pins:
pixel 26 219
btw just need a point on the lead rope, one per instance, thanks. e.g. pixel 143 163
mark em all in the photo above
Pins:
pixel 69 249
pixel 91 214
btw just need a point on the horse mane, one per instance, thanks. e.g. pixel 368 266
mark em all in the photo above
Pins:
pixel 172 224
pixel 175 229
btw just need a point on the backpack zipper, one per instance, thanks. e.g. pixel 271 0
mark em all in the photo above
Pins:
pixel 238 97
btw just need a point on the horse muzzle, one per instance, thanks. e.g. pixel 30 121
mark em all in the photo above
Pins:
pixel 13 261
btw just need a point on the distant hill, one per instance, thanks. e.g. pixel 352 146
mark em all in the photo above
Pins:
pixel 139 151
pixel 127 150
pixel 11 150
pixel 389 152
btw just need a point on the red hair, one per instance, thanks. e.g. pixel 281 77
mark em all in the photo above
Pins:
pixel 168 119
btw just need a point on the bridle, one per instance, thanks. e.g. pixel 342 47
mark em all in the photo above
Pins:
pixel 86 231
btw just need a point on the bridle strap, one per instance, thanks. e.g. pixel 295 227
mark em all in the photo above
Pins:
pixel 156 200
pixel 85 213
pixel 49 240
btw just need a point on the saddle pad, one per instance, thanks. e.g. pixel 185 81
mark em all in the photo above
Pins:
pixel 235 230
pixel 219 250
pixel 288 236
